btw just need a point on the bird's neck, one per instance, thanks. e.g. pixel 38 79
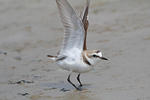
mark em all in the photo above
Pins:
pixel 86 59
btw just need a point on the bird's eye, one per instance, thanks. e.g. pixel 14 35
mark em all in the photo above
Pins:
pixel 94 56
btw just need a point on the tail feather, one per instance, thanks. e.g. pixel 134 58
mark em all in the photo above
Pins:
pixel 52 57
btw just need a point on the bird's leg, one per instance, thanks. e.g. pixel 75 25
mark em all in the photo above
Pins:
pixel 68 79
pixel 78 78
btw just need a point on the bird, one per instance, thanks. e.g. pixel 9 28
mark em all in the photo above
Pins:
pixel 74 55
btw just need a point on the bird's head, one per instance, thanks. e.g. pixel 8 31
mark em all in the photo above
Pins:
pixel 94 56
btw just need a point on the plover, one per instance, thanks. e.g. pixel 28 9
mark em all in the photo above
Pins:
pixel 74 55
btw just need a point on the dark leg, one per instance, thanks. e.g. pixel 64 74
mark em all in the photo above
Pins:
pixel 68 79
pixel 78 78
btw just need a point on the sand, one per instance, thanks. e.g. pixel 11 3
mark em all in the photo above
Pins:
pixel 31 29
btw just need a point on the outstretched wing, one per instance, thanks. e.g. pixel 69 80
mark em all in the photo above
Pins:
pixel 85 22
pixel 74 29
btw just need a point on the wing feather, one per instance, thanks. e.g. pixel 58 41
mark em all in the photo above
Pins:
pixel 74 29
pixel 85 23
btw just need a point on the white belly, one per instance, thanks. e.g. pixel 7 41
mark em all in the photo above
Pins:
pixel 74 65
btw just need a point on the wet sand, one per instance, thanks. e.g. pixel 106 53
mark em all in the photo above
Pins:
pixel 31 29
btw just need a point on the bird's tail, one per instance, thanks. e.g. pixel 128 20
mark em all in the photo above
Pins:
pixel 53 58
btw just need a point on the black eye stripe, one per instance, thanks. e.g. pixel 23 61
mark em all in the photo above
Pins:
pixel 95 56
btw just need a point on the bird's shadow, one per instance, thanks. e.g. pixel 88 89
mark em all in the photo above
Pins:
pixel 63 86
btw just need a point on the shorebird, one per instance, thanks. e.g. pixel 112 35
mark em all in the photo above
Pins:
pixel 74 55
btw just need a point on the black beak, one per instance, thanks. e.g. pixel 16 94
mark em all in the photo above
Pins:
pixel 103 58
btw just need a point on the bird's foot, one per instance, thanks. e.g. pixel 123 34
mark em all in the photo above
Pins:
pixel 79 88
pixel 80 85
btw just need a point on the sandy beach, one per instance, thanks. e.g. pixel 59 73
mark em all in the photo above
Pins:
pixel 31 29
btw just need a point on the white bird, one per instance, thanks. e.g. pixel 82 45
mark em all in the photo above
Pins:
pixel 74 55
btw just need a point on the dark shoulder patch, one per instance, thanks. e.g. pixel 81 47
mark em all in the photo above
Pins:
pixel 86 61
